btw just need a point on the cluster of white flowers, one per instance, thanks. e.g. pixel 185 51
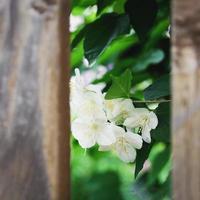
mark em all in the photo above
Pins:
pixel 109 123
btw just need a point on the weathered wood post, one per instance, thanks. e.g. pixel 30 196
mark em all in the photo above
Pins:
pixel 186 99
pixel 34 111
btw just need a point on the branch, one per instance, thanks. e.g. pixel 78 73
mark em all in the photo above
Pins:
pixel 152 101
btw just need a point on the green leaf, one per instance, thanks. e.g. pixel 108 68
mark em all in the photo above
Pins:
pixel 156 191
pixel 148 58
pixel 160 88
pixel 140 189
pixel 142 155
pixel 157 32
pixel 102 4
pixel 158 164
pixel 119 6
pixel 116 48
pixel 142 14
pixel 78 38
pixel 162 131
pixel 120 87
pixel 105 186
pixel 164 192
pixel 77 55
pixel 83 3
pixel 102 32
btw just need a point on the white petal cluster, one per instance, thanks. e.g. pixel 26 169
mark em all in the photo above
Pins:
pixel 108 123
pixel 125 145
pixel 89 132
pixel 117 110
pixel 145 120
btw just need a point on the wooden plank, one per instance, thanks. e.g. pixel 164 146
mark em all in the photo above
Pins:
pixel 186 99
pixel 34 113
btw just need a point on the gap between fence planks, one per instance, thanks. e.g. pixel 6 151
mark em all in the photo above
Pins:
pixel 186 99
pixel 34 94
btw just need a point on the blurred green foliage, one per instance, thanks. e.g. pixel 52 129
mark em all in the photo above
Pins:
pixel 129 39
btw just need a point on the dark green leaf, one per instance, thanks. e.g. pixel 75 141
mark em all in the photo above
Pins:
pixel 120 87
pixel 156 191
pixel 142 15
pixel 142 155
pixel 158 163
pixel 78 38
pixel 116 48
pixel 162 131
pixel 97 186
pixel 102 32
pixel 83 3
pixel 140 190
pixel 101 4
pixel 164 192
pixel 105 186
pixel 148 58
pixel 119 6
pixel 160 88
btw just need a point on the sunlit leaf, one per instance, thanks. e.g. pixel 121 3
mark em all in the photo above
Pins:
pixel 102 32
pixel 77 56
pixel 120 86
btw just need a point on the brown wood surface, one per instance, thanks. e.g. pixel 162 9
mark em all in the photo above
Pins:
pixel 186 99
pixel 34 111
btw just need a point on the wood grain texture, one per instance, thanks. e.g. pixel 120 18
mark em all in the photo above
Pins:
pixel 34 113
pixel 186 99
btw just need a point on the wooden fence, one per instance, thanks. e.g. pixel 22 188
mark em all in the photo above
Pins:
pixel 34 114
pixel 186 98
pixel 34 118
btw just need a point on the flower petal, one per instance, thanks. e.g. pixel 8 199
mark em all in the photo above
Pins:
pixel 133 121
pixel 134 139
pixel 87 142
pixel 119 131
pixel 91 107
pixel 105 148
pixel 141 111
pixel 146 134
pixel 118 109
pixel 83 134
pixel 126 153
pixel 153 120
pixel 106 135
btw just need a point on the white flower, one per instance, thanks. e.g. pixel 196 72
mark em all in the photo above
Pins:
pixel 91 107
pixel 125 145
pixel 85 100
pixel 90 132
pixel 117 110
pixel 143 118
pixel 75 22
